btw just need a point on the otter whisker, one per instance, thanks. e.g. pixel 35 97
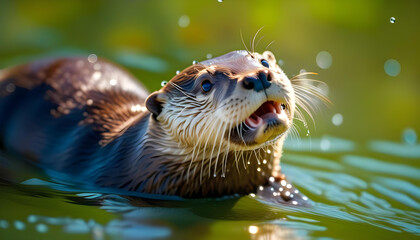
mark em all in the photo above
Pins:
pixel 302 74
pixel 300 106
pixel 228 148
pixel 220 147
pixel 253 40
pixel 210 128
pixel 192 159
pixel 269 44
pixel 243 42
pixel 182 91
pixel 258 42
pixel 236 152
pixel 212 150
pixel 256 157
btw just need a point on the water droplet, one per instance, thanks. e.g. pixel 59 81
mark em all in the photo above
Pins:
pixel 194 62
pixel 324 59
pixel 215 175
pixel 42 228
pixel 392 67
pixel 307 134
pixel 10 87
pixel 97 66
pixel 89 102
pixel 177 72
pixel 409 136
pixel 261 188
pixel 264 161
pixel 259 169
pixel 113 82
pixel 287 193
pixel 209 55
pixel 92 58
pixel 252 194
pixel 305 198
pixel 283 182
pixel 184 21
pixel 280 62
pixel 271 179
pixel 252 229
pixel 220 1
pixel 289 186
pixel 281 189
pixel 337 119
pixel 392 20
pixel 294 202
pixel 296 191
pixel 163 83
pixel 249 162
pixel 96 75
pixel 268 151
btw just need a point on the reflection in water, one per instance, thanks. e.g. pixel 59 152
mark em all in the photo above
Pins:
pixel 325 144
pixel 377 166
pixel 348 190
pixel 396 149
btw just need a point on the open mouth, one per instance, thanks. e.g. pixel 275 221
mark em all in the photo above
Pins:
pixel 267 112
pixel 268 122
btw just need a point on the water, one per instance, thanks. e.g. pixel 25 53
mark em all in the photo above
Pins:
pixel 392 20
pixel 353 186
pixel 362 176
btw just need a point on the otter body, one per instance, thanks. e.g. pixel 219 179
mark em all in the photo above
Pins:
pixel 217 128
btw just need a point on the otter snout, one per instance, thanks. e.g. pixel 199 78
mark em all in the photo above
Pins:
pixel 261 81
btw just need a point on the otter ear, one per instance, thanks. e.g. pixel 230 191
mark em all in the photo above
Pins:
pixel 269 56
pixel 154 102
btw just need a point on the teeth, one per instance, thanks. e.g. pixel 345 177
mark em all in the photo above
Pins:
pixel 254 121
pixel 272 108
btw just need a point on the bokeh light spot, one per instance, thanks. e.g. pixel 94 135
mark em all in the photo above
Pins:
pixel 184 21
pixel 337 119
pixel 324 59
pixel 392 67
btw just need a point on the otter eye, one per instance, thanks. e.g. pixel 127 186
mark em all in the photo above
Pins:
pixel 206 85
pixel 265 63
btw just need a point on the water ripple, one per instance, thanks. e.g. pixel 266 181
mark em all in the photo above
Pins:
pixel 396 149
pixel 377 166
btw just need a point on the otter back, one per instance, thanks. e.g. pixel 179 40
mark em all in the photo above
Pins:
pixel 69 115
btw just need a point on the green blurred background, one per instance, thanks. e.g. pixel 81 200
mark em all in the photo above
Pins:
pixel 153 39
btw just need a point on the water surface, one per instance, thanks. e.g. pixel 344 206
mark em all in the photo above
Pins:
pixel 355 189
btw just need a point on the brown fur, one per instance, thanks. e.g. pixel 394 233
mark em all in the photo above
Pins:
pixel 74 121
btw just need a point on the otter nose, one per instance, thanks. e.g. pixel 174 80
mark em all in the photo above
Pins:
pixel 262 81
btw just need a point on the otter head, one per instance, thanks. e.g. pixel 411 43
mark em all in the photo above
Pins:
pixel 238 101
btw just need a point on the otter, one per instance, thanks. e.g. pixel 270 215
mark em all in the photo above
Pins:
pixel 216 128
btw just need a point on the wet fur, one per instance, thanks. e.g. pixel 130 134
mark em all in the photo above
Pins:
pixel 76 126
